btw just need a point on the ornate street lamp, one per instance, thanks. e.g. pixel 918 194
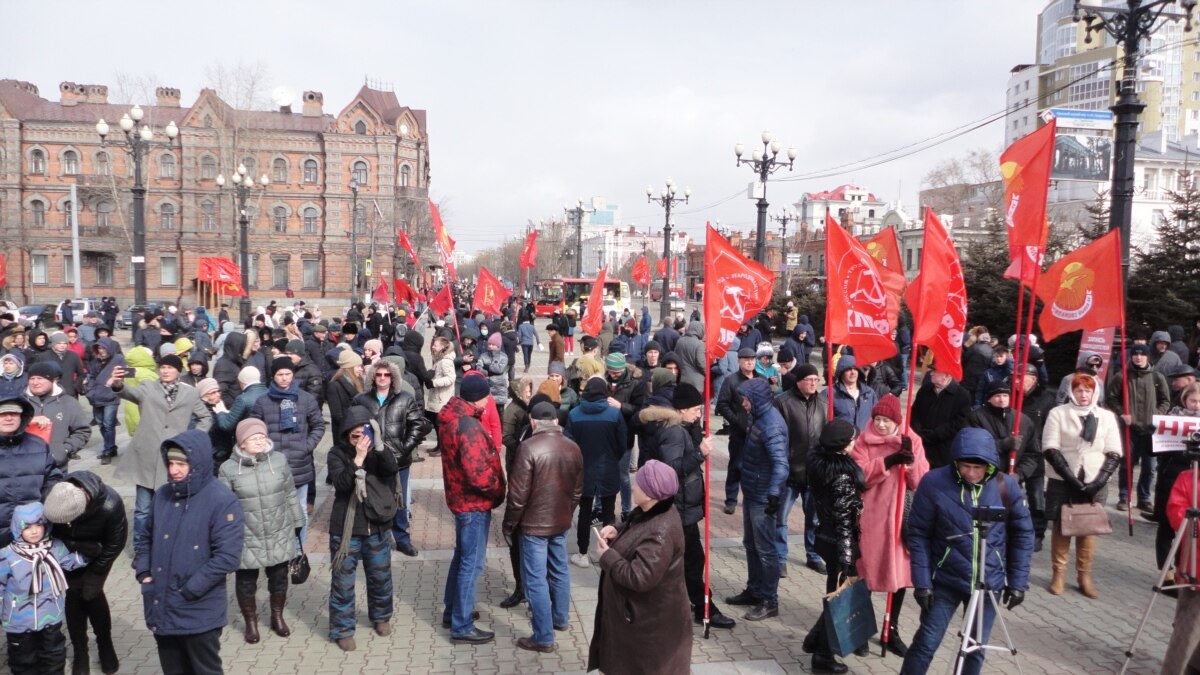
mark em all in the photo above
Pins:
pixel 243 185
pixel 576 215
pixel 667 199
pixel 764 162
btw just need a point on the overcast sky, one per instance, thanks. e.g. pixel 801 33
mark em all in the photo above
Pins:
pixel 532 104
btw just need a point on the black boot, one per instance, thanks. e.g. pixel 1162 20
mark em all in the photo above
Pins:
pixel 109 663
pixel 827 663
pixel 81 665
pixel 250 614
pixel 810 641
pixel 894 644
pixel 517 597
pixel 743 599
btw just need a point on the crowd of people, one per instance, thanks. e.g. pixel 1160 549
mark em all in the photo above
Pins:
pixel 224 422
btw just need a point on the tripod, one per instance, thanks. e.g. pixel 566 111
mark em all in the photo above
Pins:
pixel 1191 523
pixel 972 630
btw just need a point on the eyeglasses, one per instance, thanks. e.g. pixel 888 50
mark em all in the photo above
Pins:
pixel 387 375
pixel 813 379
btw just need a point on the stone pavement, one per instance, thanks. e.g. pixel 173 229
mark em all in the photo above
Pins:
pixel 1066 634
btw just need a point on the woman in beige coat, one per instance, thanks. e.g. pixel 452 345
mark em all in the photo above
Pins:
pixel 442 378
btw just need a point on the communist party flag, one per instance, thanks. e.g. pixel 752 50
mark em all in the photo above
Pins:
pixel 735 289
pixel 489 293
pixel 885 249
pixel 938 298
pixel 661 266
pixel 225 277
pixel 1083 289
pixel 1025 168
pixel 403 292
pixel 3 271
pixel 407 246
pixel 593 319
pixel 856 299
pixel 529 253
pixel 442 302
pixel 380 294
pixel 445 245
pixel 641 271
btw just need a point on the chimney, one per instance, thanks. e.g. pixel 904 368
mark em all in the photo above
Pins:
pixel 286 109
pixel 312 103
pixel 72 94
pixel 167 97
pixel 95 93
pixel 28 87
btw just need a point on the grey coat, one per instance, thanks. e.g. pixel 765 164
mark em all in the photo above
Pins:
pixel 69 430
pixel 142 461
pixel 263 485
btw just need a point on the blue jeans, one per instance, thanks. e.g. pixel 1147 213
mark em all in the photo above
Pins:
pixel 302 496
pixel 547 583
pixel 527 354
pixel 946 607
pixel 400 523
pixel 106 417
pixel 1143 456
pixel 470 548
pixel 761 539
pixel 810 525
pixel 626 487
pixel 375 552
pixel 141 518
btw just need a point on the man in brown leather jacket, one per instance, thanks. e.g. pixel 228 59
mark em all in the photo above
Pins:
pixel 545 483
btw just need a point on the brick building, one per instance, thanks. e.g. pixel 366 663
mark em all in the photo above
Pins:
pixel 300 225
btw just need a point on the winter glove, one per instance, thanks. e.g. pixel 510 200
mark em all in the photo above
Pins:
pixel 924 598
pixel 906 445
pixel 1008 445
pixel 772 506
pixel 1111 462
pixel 898 458
pixel 1012 597
pixel 1059 463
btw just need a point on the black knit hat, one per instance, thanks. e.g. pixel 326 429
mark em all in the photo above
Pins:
pixel 173 361
pixel 282 363
pixel 686 396
pixel 837 434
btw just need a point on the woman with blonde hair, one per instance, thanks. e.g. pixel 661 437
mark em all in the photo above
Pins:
pixel 347 383
pixel 442 379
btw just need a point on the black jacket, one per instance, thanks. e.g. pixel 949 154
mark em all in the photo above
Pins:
pixel 412 344
pixel 999 423
pixel 401 420
pixel 311 379
pixel 675 446
pixel 836 483
pixel 630 390
pixel 225 370
pixel 937 417
pixel 340 395
pixel 729 405
pixel 1036 406
pixel 379 463
pixel 805 419
pixel 100 532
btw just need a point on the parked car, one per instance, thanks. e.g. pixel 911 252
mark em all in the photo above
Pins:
pixel 677 303
pixel 125 317
pixel 35 315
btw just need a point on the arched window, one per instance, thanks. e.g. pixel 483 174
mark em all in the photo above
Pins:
pixel 310 220
pixel 250 165
pixel 70 163
pixel 104 212
pixel 166 216
pixel 208 121
pixel 359 172
pixel 103 164
pixel 279 218
pixel 208 215
pixel 311 173
pixel 37 163
pixel 166 166
pixel 360 128
pixel 67 208
pixel 37 211
pixel 405 176
pixel 208 167
pixel 279 170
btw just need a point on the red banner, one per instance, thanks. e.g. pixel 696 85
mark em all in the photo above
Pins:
pixel 1083 289
pixel 407 246
pixel 741 289
pixel 442 302
pixel 856 298
pixel 661 267
pixel 1025 168
pixel 641 271
pixel 529 253
pixel 938 298
pixel 225 277
pixel 593 319
pixel 489 293
pixel 380 294
pixel 885 249
pixel 445 245
pixel 3 271
pixel 403 292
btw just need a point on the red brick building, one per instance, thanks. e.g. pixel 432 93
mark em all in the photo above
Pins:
pixel 300 225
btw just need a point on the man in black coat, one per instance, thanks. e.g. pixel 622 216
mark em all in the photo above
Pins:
pixel 413 343
pixel 27 469
pixel 938 412
pixel 729 406
pixel 1031 469
pixel 805 417
pixel 308 374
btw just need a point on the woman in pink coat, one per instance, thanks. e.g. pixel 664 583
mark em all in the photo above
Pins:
pixel 880 449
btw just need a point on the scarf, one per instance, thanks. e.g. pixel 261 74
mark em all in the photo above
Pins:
pixel 45 566
pixel 287 405
pixel 171 390
pixel 1088 416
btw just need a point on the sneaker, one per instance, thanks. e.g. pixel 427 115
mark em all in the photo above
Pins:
pixel 764 610
pixel 581 560
pixel 1123 505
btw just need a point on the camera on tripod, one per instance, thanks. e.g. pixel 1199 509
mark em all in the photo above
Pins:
pixel 989 514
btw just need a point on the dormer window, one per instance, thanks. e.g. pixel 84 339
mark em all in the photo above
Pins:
pixel 360 128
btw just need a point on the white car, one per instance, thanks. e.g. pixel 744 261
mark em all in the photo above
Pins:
pixel 677 303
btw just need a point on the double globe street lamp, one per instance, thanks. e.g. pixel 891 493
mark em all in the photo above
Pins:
pixel 243 184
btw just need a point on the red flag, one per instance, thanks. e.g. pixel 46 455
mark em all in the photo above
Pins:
pixel 661 265
pixel 380 294
pixel 593 319
pixel 856 299
pixel 674 268
pixel 404 292
pixel 1025 167
pixel 740 288
pixel 3 272
pixel 641 271
pixel 938 298
pixel 885 249
pixel 407 246
pixel 529 253
pixel 442 302
pixel 1083 289
pixel 445 245
pixel 224 276
pixel 489 293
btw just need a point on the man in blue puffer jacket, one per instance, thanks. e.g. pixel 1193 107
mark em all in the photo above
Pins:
pixel 197 529
pixel 943 542
pixel 764 484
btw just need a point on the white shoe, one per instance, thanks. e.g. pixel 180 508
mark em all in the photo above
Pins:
pixel 581 560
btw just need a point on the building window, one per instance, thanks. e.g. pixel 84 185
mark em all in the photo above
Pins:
pixel 279 170
pixel 253 258
pixel 359 173
pixel 280 219
pixel 208 121
pixel 37 163
pixel 104 271
pixel 310 171
pixel 166 166
pixel 67 208
pixel 208 168
pixel 405 176
pixel 104 214
pixel 310 273
pixel 68 268
pixel 166 216
pixel 39 268
pixel 37 210
pixel 250 165
pixel 360 128
pixel 208 215
pixel 168 271
pixel 103 164
pixel 70 160
pixel 279 273
pixel 310 220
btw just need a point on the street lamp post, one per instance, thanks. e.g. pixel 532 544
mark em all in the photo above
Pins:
pixel 353 238
pixel 1128 26
pixel 764 162
pixel 139 139
pixel 242 185
pixel 784 217
pixel 576 215
pixel 667 199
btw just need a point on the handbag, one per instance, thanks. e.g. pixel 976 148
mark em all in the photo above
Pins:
pixel 849 616
pixel 1083 520
pixel 299 569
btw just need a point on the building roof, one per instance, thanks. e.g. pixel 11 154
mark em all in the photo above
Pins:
pixel 1151 147
pixel 838 194
pixel 387 106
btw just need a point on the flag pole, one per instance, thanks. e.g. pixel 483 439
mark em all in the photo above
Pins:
pixel 1125 395
pixel 707 497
